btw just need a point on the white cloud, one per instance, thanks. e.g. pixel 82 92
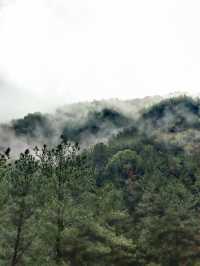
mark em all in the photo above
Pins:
pixel 70 50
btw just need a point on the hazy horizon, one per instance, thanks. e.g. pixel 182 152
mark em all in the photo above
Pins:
pixel 57 52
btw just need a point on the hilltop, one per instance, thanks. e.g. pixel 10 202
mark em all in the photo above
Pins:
pixel 174 120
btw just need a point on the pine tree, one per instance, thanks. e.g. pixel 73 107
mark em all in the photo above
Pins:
pixel 169 223
pixel 68 182
pixel 19 215
pixel 98 237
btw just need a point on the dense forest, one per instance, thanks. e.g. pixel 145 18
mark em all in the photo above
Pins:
pixel 132 197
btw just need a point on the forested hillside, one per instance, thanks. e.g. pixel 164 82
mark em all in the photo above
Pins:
pixel 88 123
pixel 129 196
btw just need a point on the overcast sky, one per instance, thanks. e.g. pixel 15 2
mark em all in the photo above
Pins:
pixel 58 51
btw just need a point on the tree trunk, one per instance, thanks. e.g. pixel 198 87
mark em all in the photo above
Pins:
pixel 60 223
pixel 14 260
pixel 73 260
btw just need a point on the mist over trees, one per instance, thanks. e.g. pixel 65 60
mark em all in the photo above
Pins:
pixel 88 123
pixel 132 200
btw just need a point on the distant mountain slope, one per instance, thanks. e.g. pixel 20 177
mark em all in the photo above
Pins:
pixel 88 123
pixel 174 114
pixel 173 120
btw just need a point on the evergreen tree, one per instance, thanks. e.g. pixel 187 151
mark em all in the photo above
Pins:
pixel 68 185
pixel 169 223
pixel 18 224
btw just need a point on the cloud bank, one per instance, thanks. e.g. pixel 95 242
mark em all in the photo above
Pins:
pixel 56 51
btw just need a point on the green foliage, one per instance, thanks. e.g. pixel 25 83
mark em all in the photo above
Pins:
pixel 131 202
pixel 124 165
pixel 20 212
pixel 169 222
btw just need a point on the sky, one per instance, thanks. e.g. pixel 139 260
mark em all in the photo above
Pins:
pixel 54 52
